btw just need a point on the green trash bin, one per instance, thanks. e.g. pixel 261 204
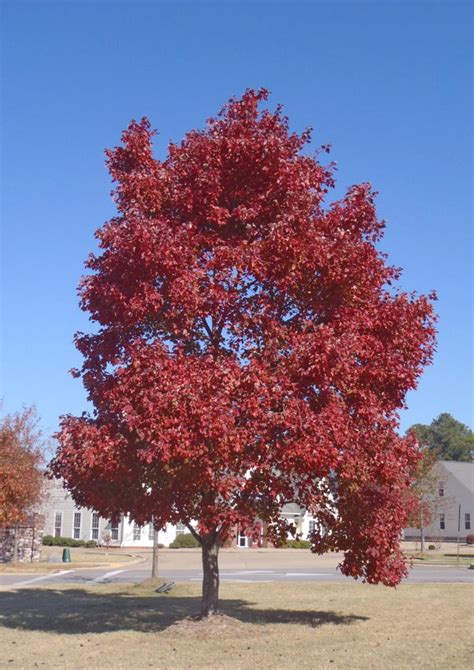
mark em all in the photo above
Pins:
pixel 66 555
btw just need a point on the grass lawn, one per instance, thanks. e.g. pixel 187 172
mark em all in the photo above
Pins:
pixel 264 625
pixel 444 553
pixel 442 558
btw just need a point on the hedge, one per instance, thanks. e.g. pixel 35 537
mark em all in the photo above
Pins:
pixel 51 541
pixel 185 541
pixel 297 544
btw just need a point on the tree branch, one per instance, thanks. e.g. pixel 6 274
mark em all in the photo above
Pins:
pixel 208 330
pixel 193 532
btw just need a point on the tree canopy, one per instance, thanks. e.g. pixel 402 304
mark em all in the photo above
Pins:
pixel 448 438
pixel 21 479
pixel 252 348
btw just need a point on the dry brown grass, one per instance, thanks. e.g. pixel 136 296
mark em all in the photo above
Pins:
pixel 445 553
pixel 264 625
pixel 80 558
pixel 442 559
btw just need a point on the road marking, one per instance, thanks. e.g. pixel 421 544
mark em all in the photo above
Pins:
pixel 102 578
pixel 250 572
pixel 38 579
pixel 307 574
pixel 247 581
pixel 234 580
pixel 244 573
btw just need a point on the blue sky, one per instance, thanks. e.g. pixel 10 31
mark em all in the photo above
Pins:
pixel 388 84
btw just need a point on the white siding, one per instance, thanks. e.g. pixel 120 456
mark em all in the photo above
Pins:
pixel 454 486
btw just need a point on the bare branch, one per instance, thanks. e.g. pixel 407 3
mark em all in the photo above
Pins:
pixel 208 330
pixel 193 532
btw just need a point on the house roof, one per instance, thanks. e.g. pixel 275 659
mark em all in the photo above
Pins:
pixel 463 471
pixel 292 508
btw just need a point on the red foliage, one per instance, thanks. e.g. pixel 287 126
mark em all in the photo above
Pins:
pixel 20 457
pixel 252 348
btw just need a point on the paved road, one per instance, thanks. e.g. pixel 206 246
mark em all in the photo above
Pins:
pixel 140 572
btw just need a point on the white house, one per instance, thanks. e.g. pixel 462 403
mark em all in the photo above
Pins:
pixel 134 535
pixel 303 521
pixel 64 518
pixel 451 503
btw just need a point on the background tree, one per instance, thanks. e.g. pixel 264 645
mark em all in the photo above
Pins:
pixel 106 538
pixel 448 438
pixel 423 500
pixel 252 349
pixel 21 479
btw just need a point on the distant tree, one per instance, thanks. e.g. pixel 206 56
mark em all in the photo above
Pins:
pixel 448 438
pixel 21 479
pixel 106 538
pixel 423 501
pixel 252 349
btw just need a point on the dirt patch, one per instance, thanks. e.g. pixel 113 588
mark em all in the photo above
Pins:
pixel 150 583
pixel 218 626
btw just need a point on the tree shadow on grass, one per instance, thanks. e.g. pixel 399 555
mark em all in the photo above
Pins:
pixel 81 611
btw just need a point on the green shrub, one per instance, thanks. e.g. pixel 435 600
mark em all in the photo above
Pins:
pixel 185 541
pixel 297 544
pixel 431 547
pixel 70 542
pixel 51 541
pixel 91 544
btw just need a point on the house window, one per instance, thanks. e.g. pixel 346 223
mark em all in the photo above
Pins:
pixel 151 531
pixel 95 526
pixel 442 524
pixel 137 532
pixel 58 522
pixel 467 521
pixel 242 540
pixel 114 528
pixel 180 528
pixel 76 530
pixel 312 526
pixel 441 489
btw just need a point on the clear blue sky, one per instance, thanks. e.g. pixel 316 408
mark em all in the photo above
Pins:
pixel 387 83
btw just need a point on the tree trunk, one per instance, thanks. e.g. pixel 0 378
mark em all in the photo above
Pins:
pixel 210 582
pixel 15 543
pixel 154 564
pixel 422 533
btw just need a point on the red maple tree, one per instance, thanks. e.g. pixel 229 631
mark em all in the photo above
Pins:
pixel 21 479
pixel 252 348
